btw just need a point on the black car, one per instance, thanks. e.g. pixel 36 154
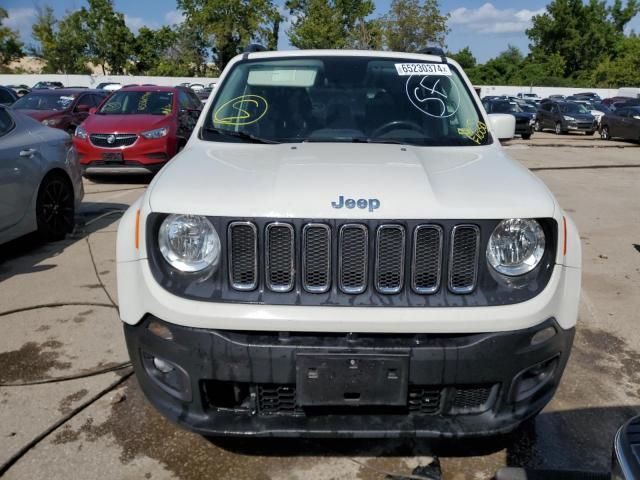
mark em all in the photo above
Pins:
pixel 563 117
pixel 524 120
pixel 47 85
pixel 622 123
pixel 7 96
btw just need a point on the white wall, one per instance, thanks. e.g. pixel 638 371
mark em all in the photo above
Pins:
pixel 544 91
pixel 93 80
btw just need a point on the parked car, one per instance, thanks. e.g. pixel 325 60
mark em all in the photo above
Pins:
pixel 61 108
pixel 524 120
pixel 196 87
pixel 204 94
pixel 593 110
pixel 591 96
pixel 622 123
pixel 40 179
pixel 109 86
pixel 361 203
pixel 556 97
pixel 137 130
pixel 612 100
pixel 20 90
pixel 563 117
pixel 47 85
pixel 7 96
pixel 534 97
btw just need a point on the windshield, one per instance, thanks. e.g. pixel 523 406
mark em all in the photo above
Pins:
pixel 53 101
pixel 345 99
pixel 525 107
pixel 138 103
pixel 573 108
pixel 506 107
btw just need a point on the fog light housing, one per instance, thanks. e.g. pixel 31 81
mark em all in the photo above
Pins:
pixel 530 381
pixel 169 376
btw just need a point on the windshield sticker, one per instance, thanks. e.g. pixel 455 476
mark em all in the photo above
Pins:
pixel 478 135
pixel 144 100
pixel 405 69
pixel 242 110
pixel 435 96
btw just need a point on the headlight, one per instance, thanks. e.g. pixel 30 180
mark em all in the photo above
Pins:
pixel 157 133
pixel 533 120
pixel 516 246
pixel 566 117
pixel 50 122
pixel 81 132
pixel 189 243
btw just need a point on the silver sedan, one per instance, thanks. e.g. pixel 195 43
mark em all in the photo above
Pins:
pixel 40 179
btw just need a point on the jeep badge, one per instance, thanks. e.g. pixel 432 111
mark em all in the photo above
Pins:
pixel 362 203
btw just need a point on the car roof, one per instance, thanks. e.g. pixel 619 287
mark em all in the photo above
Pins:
pixel 150 88
pixel 65 91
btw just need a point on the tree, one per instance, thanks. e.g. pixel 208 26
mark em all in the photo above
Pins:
pixel 109 39
pixel 10 46
pixel 62 44
pixel 328 23
pixel 583 33
pixel 187 56
pixel 151 47
pixel 465 58
pixel 230 25
pixel 410 25
pixel 366 35
pixel 623 70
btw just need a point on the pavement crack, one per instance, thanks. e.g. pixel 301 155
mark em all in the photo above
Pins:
pixel 95 269
pixel 584 167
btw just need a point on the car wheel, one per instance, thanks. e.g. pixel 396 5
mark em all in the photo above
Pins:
pixel 558 128
pixel 526 136
pixel 604 133
pixel 538 126
pixel 589 133
pixel 55 207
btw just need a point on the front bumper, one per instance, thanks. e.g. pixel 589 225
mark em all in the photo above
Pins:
pixel 245 383
pixel 582 126
pixel 124 168
pixel 144 153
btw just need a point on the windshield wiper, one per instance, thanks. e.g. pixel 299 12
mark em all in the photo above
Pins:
pixel 377 140
pixel 242 135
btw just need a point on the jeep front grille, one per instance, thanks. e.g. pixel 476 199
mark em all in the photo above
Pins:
pixel 387 258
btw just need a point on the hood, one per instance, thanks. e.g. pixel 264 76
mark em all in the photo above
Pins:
pixel 124 123
pixel 304 180
pixel 580 116
pixel 41 115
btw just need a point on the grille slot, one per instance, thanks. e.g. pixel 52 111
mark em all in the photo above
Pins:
pixel 424 400
pixel 243 255
pixel 119 139
pixel 472 398
pixel 277 399
pixel 353 258
pixel 427 259
pixel 279 264
pixel 390 244
pixel 316 257
pixel 463 258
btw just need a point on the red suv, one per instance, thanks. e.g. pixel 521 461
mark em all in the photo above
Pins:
pixel 63 108
pixel 137 130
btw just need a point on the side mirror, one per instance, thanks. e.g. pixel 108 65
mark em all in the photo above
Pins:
pixel 92 110
pixel 502 125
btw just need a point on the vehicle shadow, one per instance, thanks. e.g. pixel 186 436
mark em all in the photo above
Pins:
pixel 127 179
pixel 580 439
pixel 26 254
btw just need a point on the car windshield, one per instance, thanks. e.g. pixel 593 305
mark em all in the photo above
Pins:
pixel 573 108
pixel 525 107
pixel 506 107
pixel 138 103
pixel 48 101
pixel 345 99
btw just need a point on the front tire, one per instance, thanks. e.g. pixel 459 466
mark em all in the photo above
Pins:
pixel 589 133
pixel 604 133
pixel 538 126
pixel 55 207
pixel 558 128
pixel 526 136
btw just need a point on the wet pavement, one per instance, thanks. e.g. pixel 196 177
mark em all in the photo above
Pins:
pixel 58 318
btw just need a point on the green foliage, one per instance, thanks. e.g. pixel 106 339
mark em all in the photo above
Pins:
pixel 330 23
pixel 230 25
pixel 624 69
pixel 10 45
pixel 187 56
pixel 109 40
pixel 465 58
pixel 411 25
pixel 150 49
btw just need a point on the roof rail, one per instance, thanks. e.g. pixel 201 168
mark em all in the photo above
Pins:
pixel 432 51
pixel 255 47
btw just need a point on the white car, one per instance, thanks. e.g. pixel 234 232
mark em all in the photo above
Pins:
pixel 343 248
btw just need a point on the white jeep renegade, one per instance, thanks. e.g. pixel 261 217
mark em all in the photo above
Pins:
pixel 343 248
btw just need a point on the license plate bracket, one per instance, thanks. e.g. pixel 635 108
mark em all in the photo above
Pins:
pixel 112 157
pixel 351 379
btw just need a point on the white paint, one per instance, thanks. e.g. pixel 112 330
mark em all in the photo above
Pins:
pixel 91 81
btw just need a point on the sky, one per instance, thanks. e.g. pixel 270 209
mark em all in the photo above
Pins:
pixel 487 27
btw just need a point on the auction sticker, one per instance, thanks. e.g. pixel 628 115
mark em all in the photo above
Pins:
pixel 423 69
